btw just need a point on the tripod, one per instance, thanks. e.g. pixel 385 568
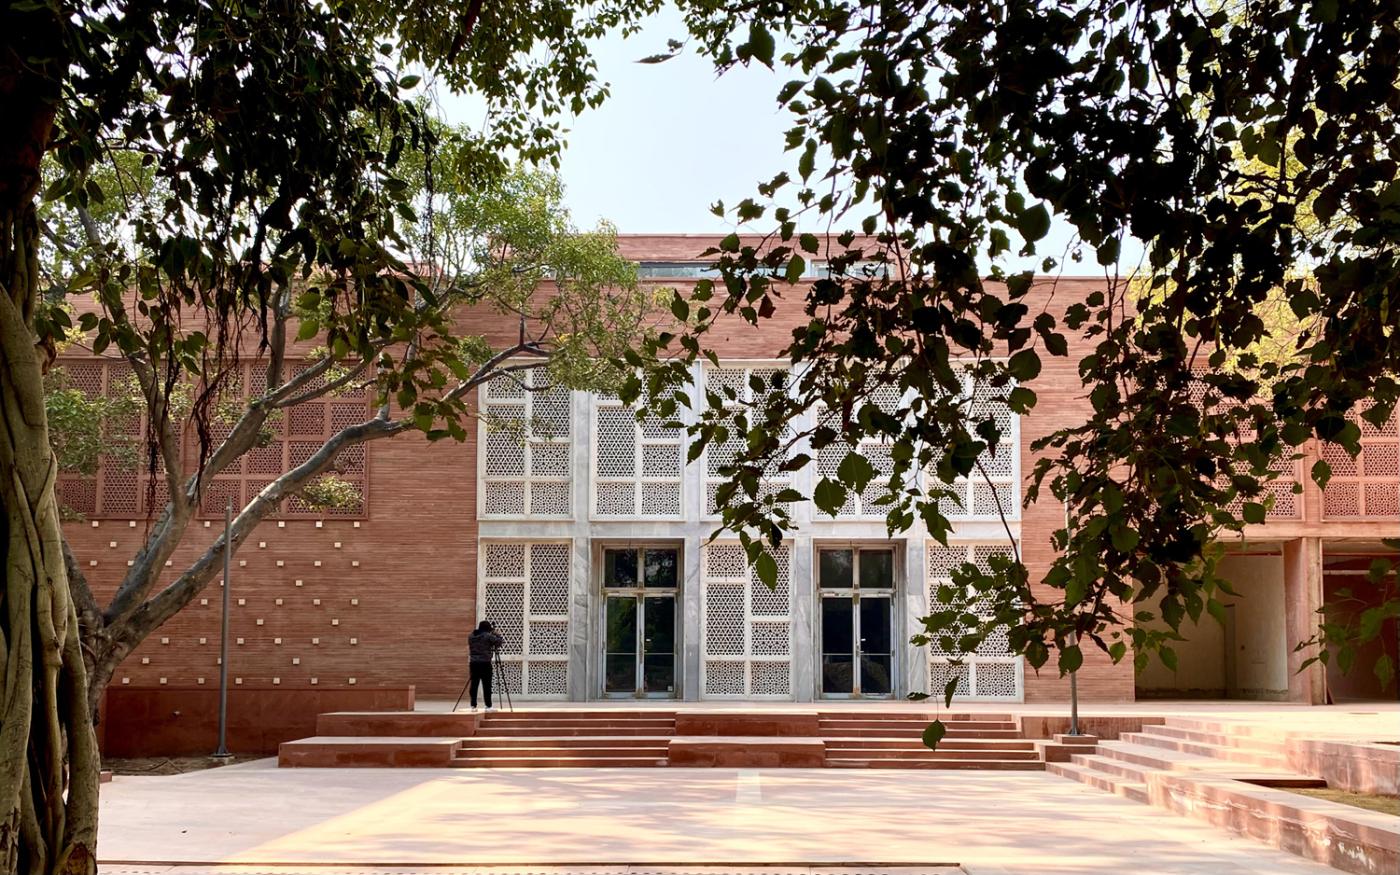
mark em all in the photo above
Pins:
pixel 498 673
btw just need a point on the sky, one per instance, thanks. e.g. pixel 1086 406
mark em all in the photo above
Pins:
pixel 671 140
pixel 674 137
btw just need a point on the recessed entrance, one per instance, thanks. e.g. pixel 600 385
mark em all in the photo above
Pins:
pixel 857 586
pixel 639 621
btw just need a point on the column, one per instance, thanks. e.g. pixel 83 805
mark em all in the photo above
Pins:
pixel 1302 594
pixel 691 596
pixel 802 643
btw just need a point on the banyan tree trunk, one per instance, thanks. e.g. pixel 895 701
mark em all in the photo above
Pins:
pixel 48 750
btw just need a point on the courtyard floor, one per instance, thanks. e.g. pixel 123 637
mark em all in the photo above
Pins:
pixel 983 823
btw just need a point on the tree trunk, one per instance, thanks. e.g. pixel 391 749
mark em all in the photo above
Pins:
pixel 48 750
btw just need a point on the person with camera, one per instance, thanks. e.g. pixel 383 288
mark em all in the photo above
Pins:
pixel 482 646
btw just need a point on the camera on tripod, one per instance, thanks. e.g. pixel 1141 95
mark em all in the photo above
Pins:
pixel 484 666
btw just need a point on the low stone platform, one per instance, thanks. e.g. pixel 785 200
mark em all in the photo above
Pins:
pixel 608 737
pixel 747 753
pixel 331 751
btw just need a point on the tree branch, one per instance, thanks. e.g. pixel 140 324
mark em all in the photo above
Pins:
pixel 174 597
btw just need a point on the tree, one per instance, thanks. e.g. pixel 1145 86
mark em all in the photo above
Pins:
pixel 935 138
pixel 276 131
pixel 487 246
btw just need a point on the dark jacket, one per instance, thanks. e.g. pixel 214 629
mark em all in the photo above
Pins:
pixel 483 645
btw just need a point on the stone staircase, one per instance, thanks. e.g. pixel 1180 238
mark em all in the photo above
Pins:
pixel 1237 776
pixel 894 740
pixel 578 739
pixel 647 737
pixel 1121 767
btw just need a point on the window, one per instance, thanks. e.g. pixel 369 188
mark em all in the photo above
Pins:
pixel 526 462
pixel 121 486
pixel 740 387
pixel 829 459
pixel 746 628
pixel 992 672
pixel 636 464
pixel 1368 485
pixel 525 593
pixel 856 610
pixel 992 489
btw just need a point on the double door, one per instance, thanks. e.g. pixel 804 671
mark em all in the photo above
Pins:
pixel 857 588
pixel 640 586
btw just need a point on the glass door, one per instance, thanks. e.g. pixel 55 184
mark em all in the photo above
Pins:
pixel 639 621
pixel 857 621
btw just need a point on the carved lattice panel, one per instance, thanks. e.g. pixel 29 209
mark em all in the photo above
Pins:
pixel 991 672
pixel 636 466
pixel 525 592
pixel 526 433
pixel 747 627
pixel 1369 485
pixel 992 490
pixel 740 389
pixel 120 486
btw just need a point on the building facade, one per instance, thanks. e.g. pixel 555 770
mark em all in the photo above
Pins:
pixel 585 535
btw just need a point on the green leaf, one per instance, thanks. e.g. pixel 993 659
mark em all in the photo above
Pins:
pixel 933 734
pixel 856 471
pixel 829 496
pixel 761 44
pixel 1252 512
pixel 1034 223
pixel 767 569
pixel 1124 539
pixel 1216 610
pixel 1168 657
pixel 795 268
pixel 1024 366
pixel 1071 658
pixel 409 81
pixel 308 329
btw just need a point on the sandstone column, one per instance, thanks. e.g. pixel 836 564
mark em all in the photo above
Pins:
pixel 1302 593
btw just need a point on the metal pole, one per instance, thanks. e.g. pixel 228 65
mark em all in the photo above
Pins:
pixel 1074 703
pixel 223 637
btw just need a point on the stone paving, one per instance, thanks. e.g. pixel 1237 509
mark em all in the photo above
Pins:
pixel 570 821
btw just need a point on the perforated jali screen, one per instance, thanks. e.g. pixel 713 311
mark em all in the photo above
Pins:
pixel 636 465
pixel 525 593
pixel 1368 485
pixel 119 487
pixel 746 628
pixel 991 491
pixel 1283 502
pixel 991 672
pixel 740 381
pixel 525 447
pixel 829 460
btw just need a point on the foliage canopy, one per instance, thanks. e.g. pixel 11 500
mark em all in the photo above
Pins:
pixel 1251 147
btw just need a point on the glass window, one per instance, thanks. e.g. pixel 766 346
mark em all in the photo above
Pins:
pixel 659 568
pixel 835 568
pixel 877 569
pixel 619 568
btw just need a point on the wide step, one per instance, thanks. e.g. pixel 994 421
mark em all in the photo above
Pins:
pixel 1032 765
pixel 554 762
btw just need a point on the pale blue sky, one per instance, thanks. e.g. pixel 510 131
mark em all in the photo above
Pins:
pixel 673 138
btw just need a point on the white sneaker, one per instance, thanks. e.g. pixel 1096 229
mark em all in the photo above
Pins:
pixel 490 708
pixel 473 709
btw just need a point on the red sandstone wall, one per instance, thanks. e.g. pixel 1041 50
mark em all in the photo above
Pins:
pixel 398 617
pixel 184 721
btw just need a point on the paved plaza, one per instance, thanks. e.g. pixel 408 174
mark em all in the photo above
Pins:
pixel 982 822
